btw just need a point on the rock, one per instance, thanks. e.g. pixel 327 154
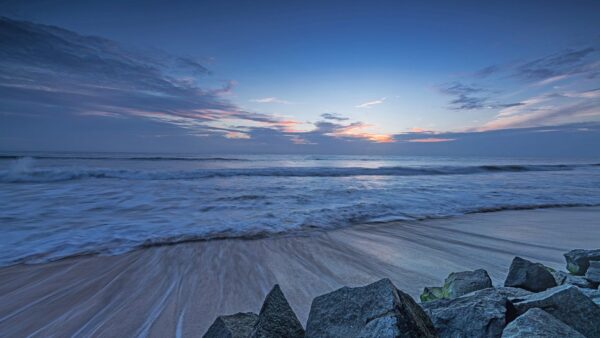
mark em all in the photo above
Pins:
pixel 433 293
pixel 239 325
pixel 593 272
pixel 461 283
pixel 568 304
pixel 566 278
pixel 538 323
pixel 375 310
pixel 592 294
pixel 509 292
pixel 458 284
pixel 276 318
pixel 578 260
pixel 482 313
pixel 529 276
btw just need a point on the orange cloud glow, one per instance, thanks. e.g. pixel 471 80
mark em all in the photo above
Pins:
pixel 419 130
pixel 358 130
pixel 237 135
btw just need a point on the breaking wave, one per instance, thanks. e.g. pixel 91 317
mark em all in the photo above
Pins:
pixel 122 158
pixel 29 175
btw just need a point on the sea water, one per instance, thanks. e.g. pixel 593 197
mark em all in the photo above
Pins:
pixel 54 205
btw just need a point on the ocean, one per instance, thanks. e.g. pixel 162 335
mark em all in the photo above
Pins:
pixel 55 205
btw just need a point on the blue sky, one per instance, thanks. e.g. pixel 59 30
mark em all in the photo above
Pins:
pixel 402 77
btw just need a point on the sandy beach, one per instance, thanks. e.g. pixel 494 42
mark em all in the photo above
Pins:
pixel 178 290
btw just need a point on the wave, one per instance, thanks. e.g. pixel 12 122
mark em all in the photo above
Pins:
pixel 516 207
pixel 118 158
pixel 120 246
pixel 66 174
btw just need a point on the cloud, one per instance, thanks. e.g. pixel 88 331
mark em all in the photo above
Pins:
pixel 556 66
pixel 346 131
pixel 548 109
pixel 360 130
pixel 370 104
pixel 78 92
pixel 334 117
pixel 487 71
pixel 270 100
pixel 63 78
pixel 237 135
pixel 555 89
pixel 465 96
pixel 430 140
pixel 419 130
pixel 588 94
pixel 45 66
pixel 192 64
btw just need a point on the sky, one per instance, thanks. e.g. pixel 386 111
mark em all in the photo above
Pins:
pixel 493 78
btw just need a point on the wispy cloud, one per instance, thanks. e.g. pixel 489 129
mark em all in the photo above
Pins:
pixel 358 130
pixel 334 117
pixel 370 104
pixel 430 140
pixel 45 66
pixel 554 89
pixel 236 135
pixel 558 65
pixel 470 97
pixel 57 76
pixel 465 96
pixel 548 109
pixel 270 100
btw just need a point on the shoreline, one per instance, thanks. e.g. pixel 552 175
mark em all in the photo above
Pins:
pixel 306 231
pixel 180 288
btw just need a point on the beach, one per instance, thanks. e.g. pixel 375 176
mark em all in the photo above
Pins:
pixel 313 169
pixel 178 290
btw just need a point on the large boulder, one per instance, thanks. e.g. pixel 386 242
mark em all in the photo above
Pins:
pixel 529 276
pixel 562 278
pixel 538 323
pixel 461 283
pixel 276 318
pixel 578 260
pixel 239 325
pixel 375 310
pixel 482 313
pixel 593 273
pixel 568 304
pixel 458 284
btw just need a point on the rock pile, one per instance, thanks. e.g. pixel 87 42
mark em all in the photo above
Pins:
pixel 535 301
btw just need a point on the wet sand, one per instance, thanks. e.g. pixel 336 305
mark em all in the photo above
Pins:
pixel 178 290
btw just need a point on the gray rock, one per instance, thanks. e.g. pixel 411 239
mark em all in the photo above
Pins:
pixel 538 323
pixel 593 272
pixel 375 310
pixel 529 276
pixel 461 283
pixel 239 325
pixel 566 278
pixel 276 318
pixel 509 292
pixel 482 313
pixel 578 260
pixel 458 284
pixel 593 294
pixel 569 305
